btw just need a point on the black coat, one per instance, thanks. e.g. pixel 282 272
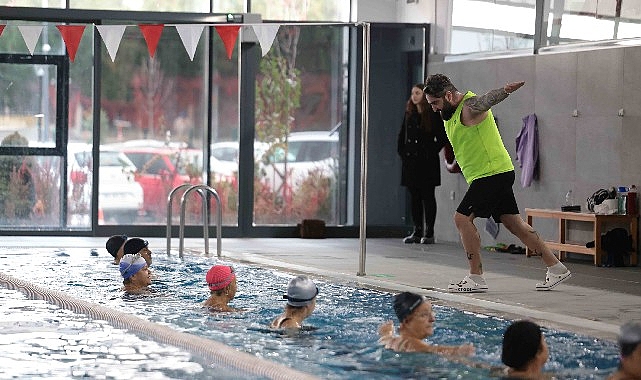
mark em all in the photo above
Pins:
pixel 419 149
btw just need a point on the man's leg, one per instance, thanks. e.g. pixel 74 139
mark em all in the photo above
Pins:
pixel 517 226
pixel 471 241
pixel 557 272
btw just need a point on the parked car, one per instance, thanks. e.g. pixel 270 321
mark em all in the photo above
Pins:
pixel 307 153
pixel 159 170
pixel 120 197
pixel 224 159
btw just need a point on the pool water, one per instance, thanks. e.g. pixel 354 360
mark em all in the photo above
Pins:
pixel 343 341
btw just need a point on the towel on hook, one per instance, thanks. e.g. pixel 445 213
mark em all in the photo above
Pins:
pixel 527 150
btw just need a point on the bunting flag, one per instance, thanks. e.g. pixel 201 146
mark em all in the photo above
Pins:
pixel 111 36
pixel 1 29
pixel 266 34
pixel 190 35
pixel 30 35
pixel 229 35
pixel 71 35
pixel 152 33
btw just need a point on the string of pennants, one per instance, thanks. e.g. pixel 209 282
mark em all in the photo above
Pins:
pixel 112 35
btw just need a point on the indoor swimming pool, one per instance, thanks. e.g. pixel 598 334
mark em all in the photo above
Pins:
pixel 341 342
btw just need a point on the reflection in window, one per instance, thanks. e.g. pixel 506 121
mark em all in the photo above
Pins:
pixel 303 10
pixel 580 21
pixel 299 111
pixel 485 26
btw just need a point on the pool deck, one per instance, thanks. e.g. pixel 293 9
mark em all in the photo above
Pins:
pixel 595 301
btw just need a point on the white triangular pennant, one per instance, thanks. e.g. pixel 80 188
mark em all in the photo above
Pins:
pixel 30 34
pixel 111 36
pixel 190 35
pixel 266 34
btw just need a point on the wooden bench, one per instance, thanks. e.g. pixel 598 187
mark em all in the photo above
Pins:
pixel 598 222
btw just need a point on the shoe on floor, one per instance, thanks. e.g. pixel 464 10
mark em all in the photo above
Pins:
pixel 412 239
pixel 552 280
pixel 467 285
pixel 427 240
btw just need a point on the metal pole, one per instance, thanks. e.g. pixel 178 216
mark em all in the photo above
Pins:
pixel 169 212
pixel 364 128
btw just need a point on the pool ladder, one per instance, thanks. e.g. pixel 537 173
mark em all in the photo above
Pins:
pixel 202 189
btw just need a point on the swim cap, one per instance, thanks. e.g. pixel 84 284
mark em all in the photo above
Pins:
pixel 130 265
pixel 405 303
pixel 301 291
pixel 134 245
pixel 114 243
pixel 521 342
pixel 630 333
pixel 219 276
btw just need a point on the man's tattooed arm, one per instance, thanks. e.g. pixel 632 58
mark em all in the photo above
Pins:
pixel 485 102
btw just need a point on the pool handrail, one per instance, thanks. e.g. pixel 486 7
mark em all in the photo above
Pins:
pixel 170 199
pixel 219 216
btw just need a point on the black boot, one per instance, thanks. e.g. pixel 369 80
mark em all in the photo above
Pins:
pixel 415 237
pixel 428 238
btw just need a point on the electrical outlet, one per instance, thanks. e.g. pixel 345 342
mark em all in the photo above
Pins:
pixel 452 195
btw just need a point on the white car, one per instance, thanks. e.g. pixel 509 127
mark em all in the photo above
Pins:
pixel 120 197
pixel 308 153
pixel 224 159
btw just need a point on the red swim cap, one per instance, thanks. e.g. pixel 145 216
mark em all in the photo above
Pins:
pixel 219 276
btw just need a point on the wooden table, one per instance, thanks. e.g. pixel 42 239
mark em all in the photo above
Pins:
pixel 598 222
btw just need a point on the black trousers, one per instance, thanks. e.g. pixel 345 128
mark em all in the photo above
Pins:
pixel 423 203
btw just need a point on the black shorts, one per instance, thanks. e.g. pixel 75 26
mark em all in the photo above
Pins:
pixel 490 196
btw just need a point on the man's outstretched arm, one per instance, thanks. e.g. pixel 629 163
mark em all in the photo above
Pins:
pixel 480 104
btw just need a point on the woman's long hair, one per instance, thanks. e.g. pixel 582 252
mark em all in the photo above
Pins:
pixel 426 109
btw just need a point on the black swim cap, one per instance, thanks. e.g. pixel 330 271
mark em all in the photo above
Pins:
pixel 521 342
pixel 405 303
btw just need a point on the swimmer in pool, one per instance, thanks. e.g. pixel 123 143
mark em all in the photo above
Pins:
pixel 630 352
pixel 301 301
pixel 139 246
pixel 115 246
pixel 415 314
pixel 135 274
pixel 221 281
pixel 524 351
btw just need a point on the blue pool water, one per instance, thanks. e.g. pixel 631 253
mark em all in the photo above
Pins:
pixel 343 343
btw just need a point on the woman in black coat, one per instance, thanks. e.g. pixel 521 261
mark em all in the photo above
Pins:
pixel 420 140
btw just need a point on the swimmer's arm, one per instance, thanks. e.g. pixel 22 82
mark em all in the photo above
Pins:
pixel 481 104
pixel 386 329
pixel 462 350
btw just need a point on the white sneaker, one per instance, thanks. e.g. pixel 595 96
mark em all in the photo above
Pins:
pixel 467 285
pixel 552 280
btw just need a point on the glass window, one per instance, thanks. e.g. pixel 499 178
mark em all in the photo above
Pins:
pixel 487 26
pixel 34 3
pixel 153 110
pixel 299 113
pixel 143 5
pixel 303 10
pixel 590 20
pixel 227 6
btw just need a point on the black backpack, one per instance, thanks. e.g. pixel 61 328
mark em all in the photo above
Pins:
pixel 618 244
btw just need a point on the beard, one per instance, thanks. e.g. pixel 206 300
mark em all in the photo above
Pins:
pixel 448 110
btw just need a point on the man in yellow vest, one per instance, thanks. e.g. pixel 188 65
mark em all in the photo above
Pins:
pixel 488 170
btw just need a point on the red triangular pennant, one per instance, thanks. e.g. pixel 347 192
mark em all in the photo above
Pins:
pixel 1 29
pixel 228 34
pixel 71 34
pixel 152 33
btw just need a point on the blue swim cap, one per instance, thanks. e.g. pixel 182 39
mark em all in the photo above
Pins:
pixel 130 265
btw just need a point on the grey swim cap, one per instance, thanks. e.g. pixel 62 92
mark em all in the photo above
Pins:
pixel 301 291
pixel 630 333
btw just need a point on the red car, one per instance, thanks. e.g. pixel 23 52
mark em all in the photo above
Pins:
pixel 159 170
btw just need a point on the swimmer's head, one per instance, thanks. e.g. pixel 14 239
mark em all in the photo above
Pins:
pixel 130 265
pixel 219 276
pixel 405 303
pixel 134 245
pixel 301 291
pixel 114 243
pixel 629 337
pixel 521 342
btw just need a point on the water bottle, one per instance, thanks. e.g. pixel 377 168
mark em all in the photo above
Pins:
pixel 622 197
pixel 631 201
pixel 569 198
